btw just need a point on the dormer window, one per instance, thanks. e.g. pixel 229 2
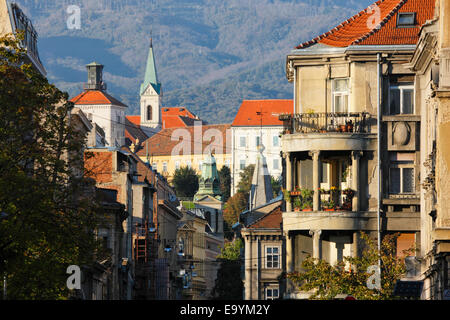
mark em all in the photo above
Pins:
pixel 406 19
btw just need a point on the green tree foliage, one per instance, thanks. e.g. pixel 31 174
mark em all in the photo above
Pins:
pixel 239 202
pixel 234 207
pixel 326 281
pixel 225 183
pixel 185 182
pixel 245 182
pixel 47 217
pixel 277 184
pixel 229 285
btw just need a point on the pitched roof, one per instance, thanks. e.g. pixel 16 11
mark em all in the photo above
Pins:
pixel 135 120
pixel 133 131
pixel 174 117
pixel 161 144
pixel 177 117
pixel 272 220
pixel 90 97
pixel 249 113
pixel 361 29
pixel 178 111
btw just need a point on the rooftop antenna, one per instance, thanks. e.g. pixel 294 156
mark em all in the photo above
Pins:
pixel 151 37
pixel 260 114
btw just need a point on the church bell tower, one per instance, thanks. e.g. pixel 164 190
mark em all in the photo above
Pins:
pixel 151 94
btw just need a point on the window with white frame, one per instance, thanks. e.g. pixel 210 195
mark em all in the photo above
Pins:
pixel 242 164
pixel 401 99
pixel 200 164
pixel 276 164
pixel 340 95
pixel 272 292
pixel 276 141
pixel 188 163
pixel 177 165
pixel 242 142
pixel 272 257
pixel 401 173
pixel 164 166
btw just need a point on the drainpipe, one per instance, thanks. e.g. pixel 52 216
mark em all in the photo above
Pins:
pixel 379 153
pixel 295 90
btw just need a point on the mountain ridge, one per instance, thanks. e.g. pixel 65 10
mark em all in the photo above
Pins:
pixel 202 47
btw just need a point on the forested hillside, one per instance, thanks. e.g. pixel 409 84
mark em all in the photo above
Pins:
pixel 211 54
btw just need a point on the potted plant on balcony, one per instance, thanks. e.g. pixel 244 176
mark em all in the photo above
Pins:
pixel 329 205
pixel 343 128
pixel 348 199
pixel 297 204
pixel 349 193
pixel 349 125
pixel 307 199
pixel 296 192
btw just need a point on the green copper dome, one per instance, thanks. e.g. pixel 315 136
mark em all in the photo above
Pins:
pixel 209 182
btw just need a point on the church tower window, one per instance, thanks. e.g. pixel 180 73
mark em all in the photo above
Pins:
pixel 149 113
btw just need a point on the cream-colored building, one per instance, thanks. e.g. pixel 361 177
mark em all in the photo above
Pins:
pixel 174 148
pixel 14 20
pixel 430 63
pixel 355 128
pixel 101 108
pixel 257 123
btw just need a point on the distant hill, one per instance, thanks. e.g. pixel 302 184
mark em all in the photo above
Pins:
pixel 211 54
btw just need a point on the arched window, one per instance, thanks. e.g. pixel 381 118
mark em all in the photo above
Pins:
pixel 149 113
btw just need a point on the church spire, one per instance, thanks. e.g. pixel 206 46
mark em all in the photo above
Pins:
pixel 151 76
pixel 261 189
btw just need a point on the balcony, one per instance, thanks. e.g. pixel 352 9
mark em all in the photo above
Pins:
pixel 327 131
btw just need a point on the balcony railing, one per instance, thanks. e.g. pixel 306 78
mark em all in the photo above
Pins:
pixel 322 122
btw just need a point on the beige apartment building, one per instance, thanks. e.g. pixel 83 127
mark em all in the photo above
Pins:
pixel 353 143
pixel 430 63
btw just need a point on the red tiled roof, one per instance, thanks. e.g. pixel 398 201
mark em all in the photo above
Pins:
pixel 250 110
pixel 361 29
pixel 178 111
pixel 134 131
pixel 177 117
pixel 271 220
pixel 161 144
pixel 95 97
pixel 173 122
pixel 136 120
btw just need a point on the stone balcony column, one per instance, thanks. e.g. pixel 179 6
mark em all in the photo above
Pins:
pixel 316 243
pixel 289 252
pixel 316 179
pixel 356 156
pixel 288 178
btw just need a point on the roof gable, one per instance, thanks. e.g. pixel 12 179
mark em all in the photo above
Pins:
pixel 362 29
pixel 272 220
pixel 96 97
